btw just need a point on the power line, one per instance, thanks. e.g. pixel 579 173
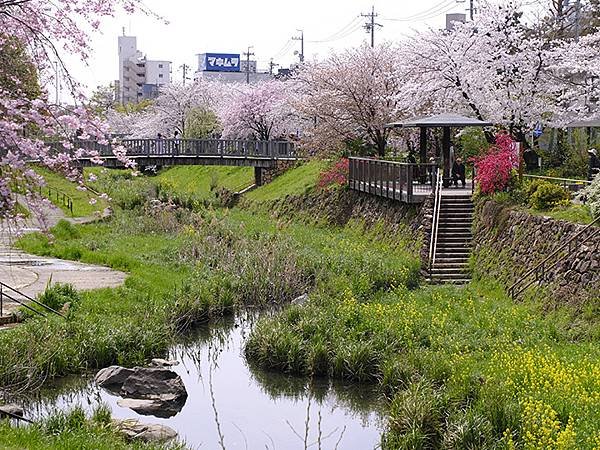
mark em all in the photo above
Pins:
pixel 350 27
pixel 426 14
pixel 287 46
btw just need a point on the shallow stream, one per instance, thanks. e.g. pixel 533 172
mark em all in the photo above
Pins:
pixel 234 405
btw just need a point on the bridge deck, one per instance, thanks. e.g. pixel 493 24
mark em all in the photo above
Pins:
pixel 160 152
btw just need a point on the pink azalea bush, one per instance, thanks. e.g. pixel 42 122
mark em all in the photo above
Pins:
pixel 494 170
pixel 336 175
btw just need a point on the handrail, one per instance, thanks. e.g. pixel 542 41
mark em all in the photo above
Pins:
pixel 513 292
pixel 66 199
pixel 437 203
pixel 46 307
pixel 139 148
pixel 399 163
pixel 571 180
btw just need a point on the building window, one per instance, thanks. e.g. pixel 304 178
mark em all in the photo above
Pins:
pixel 160 75
pixel 160 66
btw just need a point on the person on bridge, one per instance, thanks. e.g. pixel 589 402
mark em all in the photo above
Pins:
pixel 458 172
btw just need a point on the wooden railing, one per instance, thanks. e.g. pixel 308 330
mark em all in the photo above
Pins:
pixel 538 273
pixel 192 147
pixel 399 181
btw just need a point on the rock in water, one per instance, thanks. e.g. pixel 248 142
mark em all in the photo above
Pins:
pixel 164 407
pixel 133 429
pixel 152 383
pixel 113 377
pixel 159 362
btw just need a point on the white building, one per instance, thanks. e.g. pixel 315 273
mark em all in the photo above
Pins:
pixel 227 67
pixel 139 78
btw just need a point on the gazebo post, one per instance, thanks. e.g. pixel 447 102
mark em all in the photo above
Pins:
pixel 422 154
pixel 446 155
pixel 423 145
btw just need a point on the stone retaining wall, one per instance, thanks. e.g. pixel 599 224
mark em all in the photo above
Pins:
pixel 508 242
pixel 264 175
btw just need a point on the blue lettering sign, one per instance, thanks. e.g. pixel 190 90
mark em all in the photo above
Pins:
pixel 221 62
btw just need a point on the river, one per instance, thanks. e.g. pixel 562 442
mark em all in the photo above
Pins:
pixel 233 405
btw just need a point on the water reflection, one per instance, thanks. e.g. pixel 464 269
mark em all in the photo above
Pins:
pixel 232 404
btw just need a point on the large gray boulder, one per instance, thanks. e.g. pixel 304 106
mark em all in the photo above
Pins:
pixel 133 429
pixel 153 391
pixel 152 383
pixel 113 377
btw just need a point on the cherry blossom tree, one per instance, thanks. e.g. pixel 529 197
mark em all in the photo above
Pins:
pixel 352 96
pixel 503 70
pixel 262 111
pixel 46 30
pixel 177 109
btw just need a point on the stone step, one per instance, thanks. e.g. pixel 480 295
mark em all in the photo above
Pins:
pixel 454 226
pixel 449 268
pixel 449 276
pixel 456 215
pixel 455 233
pixel 451 238
pixel 456 202
pixel 443 259
pixel 454 281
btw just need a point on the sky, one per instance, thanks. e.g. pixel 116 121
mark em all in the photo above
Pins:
pixel 230 26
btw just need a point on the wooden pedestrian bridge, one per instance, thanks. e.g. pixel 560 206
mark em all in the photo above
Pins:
pixel 168 152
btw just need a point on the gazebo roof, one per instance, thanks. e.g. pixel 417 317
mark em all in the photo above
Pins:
pixel 592 123
pixel 440 120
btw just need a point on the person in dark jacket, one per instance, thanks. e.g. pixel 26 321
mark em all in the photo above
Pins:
pixel 458 172
pixel 594 164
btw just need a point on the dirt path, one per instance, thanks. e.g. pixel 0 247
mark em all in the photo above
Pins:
pixel 31 273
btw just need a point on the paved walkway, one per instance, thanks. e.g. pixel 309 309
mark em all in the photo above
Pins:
pixel 31 273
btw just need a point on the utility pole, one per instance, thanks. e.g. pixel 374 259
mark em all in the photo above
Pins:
pixel 471 9
pixel 301 39
pixel 272 65
pixel 184 68
pixel 247 55
pixel 370 26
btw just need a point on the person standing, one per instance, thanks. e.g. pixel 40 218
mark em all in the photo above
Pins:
pixel 458 172
pixel 594 164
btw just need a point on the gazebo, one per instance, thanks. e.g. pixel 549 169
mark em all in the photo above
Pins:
pixel 445 121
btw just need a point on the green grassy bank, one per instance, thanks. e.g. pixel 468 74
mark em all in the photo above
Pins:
pixel 462 368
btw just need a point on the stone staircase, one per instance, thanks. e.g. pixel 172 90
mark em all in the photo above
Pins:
pixel 454 241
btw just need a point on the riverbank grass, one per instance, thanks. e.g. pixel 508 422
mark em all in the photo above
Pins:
pixel 466 368
pixel 72 431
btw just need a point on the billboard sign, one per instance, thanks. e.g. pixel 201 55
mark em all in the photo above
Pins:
pixel 220 62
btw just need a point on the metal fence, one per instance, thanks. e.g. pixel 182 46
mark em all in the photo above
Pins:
pixel 406 182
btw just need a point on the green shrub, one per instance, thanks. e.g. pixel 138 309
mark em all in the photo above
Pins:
pixel 64 230
pixel 57 295
pixel 548 195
